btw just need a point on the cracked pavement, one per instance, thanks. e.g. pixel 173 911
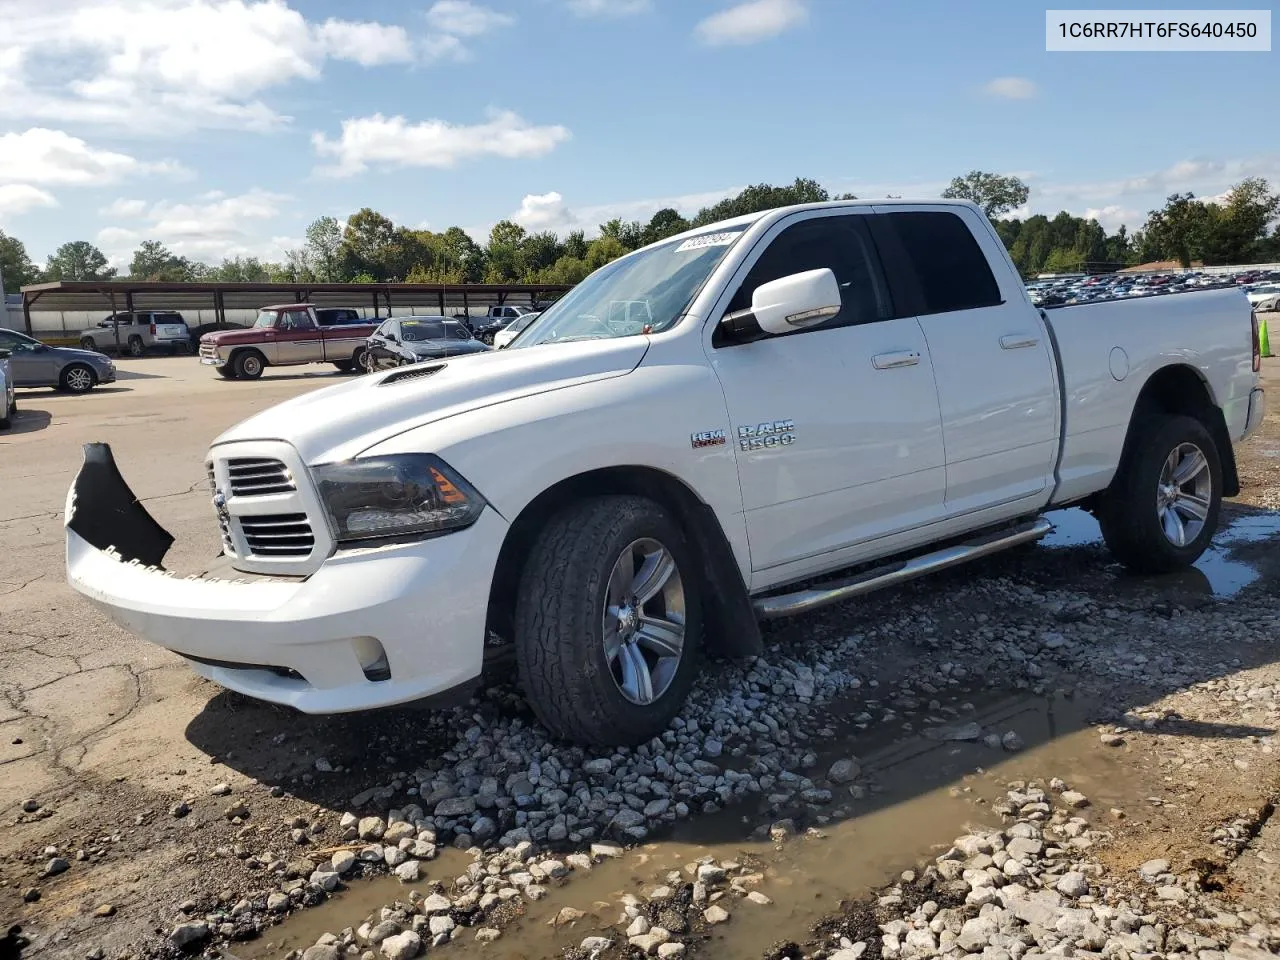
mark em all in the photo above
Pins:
pixel 92 719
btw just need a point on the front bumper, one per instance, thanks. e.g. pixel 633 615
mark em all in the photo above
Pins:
pixel 307 642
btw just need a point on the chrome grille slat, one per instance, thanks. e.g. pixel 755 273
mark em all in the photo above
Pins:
pixel 278 535
pixel 258 476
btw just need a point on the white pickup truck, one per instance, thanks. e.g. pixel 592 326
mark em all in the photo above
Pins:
pixel 819 401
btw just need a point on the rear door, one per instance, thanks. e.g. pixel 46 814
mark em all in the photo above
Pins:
pixel 992 360
pixel 836 426
pixel 342 333
pixel 170 327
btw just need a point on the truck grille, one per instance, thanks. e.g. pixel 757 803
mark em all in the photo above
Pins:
pixel 208 351
pixel 258 476
pixel 278 535
pixel 224 519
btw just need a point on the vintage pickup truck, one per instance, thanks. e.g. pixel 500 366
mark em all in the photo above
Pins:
pixel 286 335
pixel 818 401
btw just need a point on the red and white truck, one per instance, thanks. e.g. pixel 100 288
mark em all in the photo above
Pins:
pixel 287 335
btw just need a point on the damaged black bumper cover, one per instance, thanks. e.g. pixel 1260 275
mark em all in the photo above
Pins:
pixel 107 515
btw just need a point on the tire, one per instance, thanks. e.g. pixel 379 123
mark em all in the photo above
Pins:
pixel 574 687
pixel 248 365
pixel 136 347
pixel 77 378
pixel 88 343
pixel 359 360
pixel 346 366
pixel 1136 510
pixel 226 372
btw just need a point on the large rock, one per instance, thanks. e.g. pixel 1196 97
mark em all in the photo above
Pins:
pixel 187 935
pixel 1073 884
pixel 456 807
pixel 403 946
pixel 371 828
pixel 344 861
pixel 325 952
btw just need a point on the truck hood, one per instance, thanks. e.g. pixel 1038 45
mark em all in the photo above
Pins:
pixel 339 422
pixel 225 337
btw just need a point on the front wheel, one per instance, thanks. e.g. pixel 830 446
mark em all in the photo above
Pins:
pixel 226 372
pixel 608 622
pixel 359 361
pixel 1162 509
pixel 136 347
pixel 88 343
pixel 248 365
pixel 77 378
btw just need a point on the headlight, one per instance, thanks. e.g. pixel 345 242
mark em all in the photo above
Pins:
pixel 413 493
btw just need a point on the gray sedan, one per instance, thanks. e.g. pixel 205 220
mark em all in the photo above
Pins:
pixel 35 364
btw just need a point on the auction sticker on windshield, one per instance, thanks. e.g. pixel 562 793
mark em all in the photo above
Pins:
pixel 708 240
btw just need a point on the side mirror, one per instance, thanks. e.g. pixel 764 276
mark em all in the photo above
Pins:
pixel 787 304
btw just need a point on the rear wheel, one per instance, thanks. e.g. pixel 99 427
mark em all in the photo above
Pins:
pixel 346 366
pixel 136 346
pixel 78 378
pixel 359 360
pixel 248 365
pixel 1162 509
pixel 608 621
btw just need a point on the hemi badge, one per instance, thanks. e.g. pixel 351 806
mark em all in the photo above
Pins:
pixel 707 438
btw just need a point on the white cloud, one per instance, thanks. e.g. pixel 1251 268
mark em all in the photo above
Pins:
pixel 461 18
pixel 123 208
pixel 368 44
pixel 1011 88
pixel 1111 217
pixel 751 22
pixel 169 66
pixel 548 211
pixel 609 8
pixel 16 198
pixel 211 227
pixel 395 142
pixel 40 155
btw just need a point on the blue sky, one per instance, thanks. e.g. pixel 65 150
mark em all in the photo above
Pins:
pixel 222 127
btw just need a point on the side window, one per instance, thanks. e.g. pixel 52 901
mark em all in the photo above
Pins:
pixel 840 243
pixel 295 321
pixel 950 267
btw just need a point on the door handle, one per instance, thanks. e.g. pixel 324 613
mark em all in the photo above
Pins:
pixel 891 361
pixel 1016 341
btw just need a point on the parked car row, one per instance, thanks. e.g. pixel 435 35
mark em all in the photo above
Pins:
pixel 1082 289
pixel 35 364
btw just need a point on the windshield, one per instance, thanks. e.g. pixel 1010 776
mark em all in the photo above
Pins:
pixel 266 318
pixel 643 293
pixel 422 330
pixel 520 323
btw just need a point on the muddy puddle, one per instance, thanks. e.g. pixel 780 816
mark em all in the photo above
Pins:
pixel 920 789
pixel 1217 572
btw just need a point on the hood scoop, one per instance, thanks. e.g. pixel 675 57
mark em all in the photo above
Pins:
pixel 414 372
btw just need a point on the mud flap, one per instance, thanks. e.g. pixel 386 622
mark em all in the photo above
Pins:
pixel 105 513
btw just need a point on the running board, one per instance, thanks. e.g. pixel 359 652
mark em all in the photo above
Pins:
pixel 802 601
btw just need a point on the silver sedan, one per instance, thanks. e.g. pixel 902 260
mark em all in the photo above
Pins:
pixel 36 364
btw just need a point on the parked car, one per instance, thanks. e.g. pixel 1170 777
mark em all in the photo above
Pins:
pixel 289 334
pixel 496 319
pixel 502 339
pixel 8 397
pixel 139 332
pixel 798 421
pixel 36 364
pixel 406 340
pixel 1265 297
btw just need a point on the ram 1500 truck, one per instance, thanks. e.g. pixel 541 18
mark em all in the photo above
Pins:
pixel 818 401
pixel 287 335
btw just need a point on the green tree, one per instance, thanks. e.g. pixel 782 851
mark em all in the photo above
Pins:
pixel 538 251
pixel 575 245
pixel 762 196
pixel 602 250
pixel 154 261
pixel 1235 231
pixel 995 193
pixel 407 251
pixel 241 270
pixel 78 260
pixel 1177 231
pixel 665 223
pixel 506 233
pixel 366 243
pixel 456 251
pixel 324 248
pixel 16 267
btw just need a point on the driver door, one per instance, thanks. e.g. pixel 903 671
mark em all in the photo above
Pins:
pixel 837 427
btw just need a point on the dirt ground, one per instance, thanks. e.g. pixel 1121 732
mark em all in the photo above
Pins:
pixel 101 735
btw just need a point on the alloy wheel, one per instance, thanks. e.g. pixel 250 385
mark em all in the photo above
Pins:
pixel 1184 494
pixel 644 621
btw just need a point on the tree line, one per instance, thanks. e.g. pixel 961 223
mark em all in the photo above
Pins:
pixel 368 247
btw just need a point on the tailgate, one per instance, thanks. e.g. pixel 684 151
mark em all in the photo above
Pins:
pixel 172 331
